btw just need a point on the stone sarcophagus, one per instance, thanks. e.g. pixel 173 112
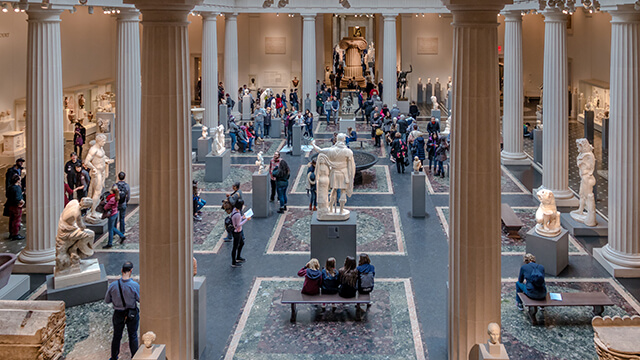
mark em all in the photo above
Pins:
pixel 32 330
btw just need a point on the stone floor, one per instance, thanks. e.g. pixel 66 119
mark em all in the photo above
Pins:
pixel 408 320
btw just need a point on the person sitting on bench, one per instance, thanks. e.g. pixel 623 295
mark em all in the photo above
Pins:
pixel 366 273
pixel 533 274
pixel 312 277
pixel 348 275
pixel 330 281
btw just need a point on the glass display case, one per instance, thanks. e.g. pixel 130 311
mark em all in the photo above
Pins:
pixel 594 96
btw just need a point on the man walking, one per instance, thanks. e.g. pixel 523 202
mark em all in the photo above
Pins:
pixel 327 109
pixel 125 196
pixel 124 294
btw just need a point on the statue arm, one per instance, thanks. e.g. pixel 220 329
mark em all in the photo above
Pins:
pixel 89 158
pixel 351 172
pixel 316 148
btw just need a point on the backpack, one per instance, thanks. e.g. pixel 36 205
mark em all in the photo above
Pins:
pixel 103 202
pixel 124 192
pixel 366 282
pixel 536 278
pixel 228 224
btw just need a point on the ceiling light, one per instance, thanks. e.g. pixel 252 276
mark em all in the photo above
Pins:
pixel 5 8
pixel 45 4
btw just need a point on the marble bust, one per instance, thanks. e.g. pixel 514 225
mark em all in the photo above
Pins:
pixel 98 164
pixel 547 215
pixel 147 339
pixel 218 142
pixel 586 161
pixel 493 349
pixel 260 161
pixel 104 124
pixel 205 132
pixel 434 101
pixel 494 333
pixel 74 241
pixel 417 164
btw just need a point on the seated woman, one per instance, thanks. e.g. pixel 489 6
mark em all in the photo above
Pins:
pixel 330 281
pixel 366 273
pixel 312 277
pixel 198 202
pixel 348 276
pixel 352 135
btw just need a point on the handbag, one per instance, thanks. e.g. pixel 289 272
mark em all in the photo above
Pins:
pixel 132 314
pixel 379 132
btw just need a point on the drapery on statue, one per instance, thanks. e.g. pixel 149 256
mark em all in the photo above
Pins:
pixel 73 240
pixel 586 162
pixel 402 82
pixel 98 164
pixel 335 170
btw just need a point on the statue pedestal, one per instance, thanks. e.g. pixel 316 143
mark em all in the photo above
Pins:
pixel 487 352
pixel 260 196
pixel 17 286
pixel 109 146
pixel 333 238
pixel 246 107
pixel 79 294
pixel 217 167
pixel 101 227
pixel 223 116
pixel 199 315
pixel 577 228
pixel 403 105
pixel 537 146
pixel 196 133
pixel 420 94
pixel 437 114
pixel 605 134
pixel 204 148
pixel 550 252
pixel 89 272
pixel 276 128
pixel 347 123
pixel 157 352
pixel 418 194
pixel 589 125
pixel 296 141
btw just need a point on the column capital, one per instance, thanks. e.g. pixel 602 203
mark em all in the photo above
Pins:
pixel 308 16
pixel 475 5
pixel 128 14
pixel 554 15
pixel 43 15
pixel 512 15
pixel 231 16
pixel 209 15
pixel 164 4
pixel 624 14
pixel 390 17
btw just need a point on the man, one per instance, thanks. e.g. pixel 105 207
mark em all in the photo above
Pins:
pixel 124 294
pixel 395 111
pixel 258 116
pixel 233 133
pixel 533 274
pixel 327 109
pixel 403 125
pixel 380 86
pixel 433 126
pixel 318 86
pixel 15 169
pixel 335 106
pixel 293 99
pixel 125 196
pixel 274 163
pixel 267 123
pixel 82 181
pixel 360 104
pixel 70 170
pixel 13 207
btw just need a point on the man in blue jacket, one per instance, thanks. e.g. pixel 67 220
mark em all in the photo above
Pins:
pixel 531 281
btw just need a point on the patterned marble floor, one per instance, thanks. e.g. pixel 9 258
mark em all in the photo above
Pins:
pixel 375 180
pixel 510 185
pixel 268 148
pixel 241 173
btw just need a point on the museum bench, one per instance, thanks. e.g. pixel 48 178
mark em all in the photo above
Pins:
pixel 596 299
pixel 295 297
pixel 511 223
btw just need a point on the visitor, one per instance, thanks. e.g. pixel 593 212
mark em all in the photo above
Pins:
pixel 312 277
pixel 399 153
pixel 330 280
pixel 124 294
pixel 125 196
pixel 112 207
pixel 376 129
pixel 82 181
pixel 530 281
pixel 380 87
pixel 279 105
pixel 419 146
pixel 79 138
pixel 273 163
pixel 385 110
pixel 233 133
pixel 308 123
pixel 283 98
pixel 391 134
pixel 250 133
pixel 243 141
pixel 70 169
pixel 198 202
pixel 293 99
pixel 13 207
pixel 441 156
pixel 289 122
pixel 228 208
pixel 311 186
pixel 348 276
pixel 368 109
pixel 68 193
pixel 281 174
pixel 352 135
pixel 16 169
pixel 267 123
pixel 360 104
pixel 235 195
pixel 238 236
pixel 259 116
pixel 394 112
pixel 433 126
pixel 320 103
pixel 327 109
pixel 230 105
pixel 432 146
pixel 526 131
pixel 413 110
pixel 366 274
pixel 335 107
pixel 402 125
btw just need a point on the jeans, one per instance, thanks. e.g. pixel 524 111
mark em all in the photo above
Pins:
pixel 329 117
pixel 242 145
pixel 260 129
pixel 250 143
pixel 122 211
pixel 400 164
pixel 113 229
pixel 310 130
pixel 282 195
pixel 238 243
pixel 78 150
pixel 273 190
pixel 432 162
pixel 119 320
pixel 313 197
pixel 233 141
pixel 266 130
pixel 290 138
pixel 199 204
pixel 439 167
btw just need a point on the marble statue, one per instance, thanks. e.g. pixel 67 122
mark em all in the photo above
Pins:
pixel 74 241
pixel 586 162
pixel 434 102
pixel 417 164
pixel 205 132
pixel 494 333
pixel 547 215
pixel 218 142
pixel 335 170
pixel 147 339
pixel 66 102
pixel 81 101
pixel 402 82
pixel 104 125
pixel 260 161
pixel 493 349
pixel 98 164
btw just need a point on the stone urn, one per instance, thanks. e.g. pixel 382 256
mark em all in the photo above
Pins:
pixel 198 114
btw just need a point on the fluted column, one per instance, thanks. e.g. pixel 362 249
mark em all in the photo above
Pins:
pixel 343 27
pixel 370 34
pixel 45 154
pixel 128 91
pixel 512 153
pixel 231 58
pixel 621 256
pixel 308 57
pixel 166 225
pixel 389 60
pixel 555 140
pixel 209 69
pixel 474 250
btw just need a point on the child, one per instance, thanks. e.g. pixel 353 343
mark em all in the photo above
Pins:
pixel 312 277
pixel 330 280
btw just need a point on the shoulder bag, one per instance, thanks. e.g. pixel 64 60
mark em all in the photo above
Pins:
pixel 132 314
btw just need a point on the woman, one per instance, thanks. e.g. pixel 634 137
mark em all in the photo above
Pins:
pixel 441 156
pixel 198 202
pixel 273 164
pixel 391 135
pixel 348 276
pixel 308 123
pixel 432 145
pixel 13 207
pixel 376 129
pixel 278 104
pixel 312 277
pixel 238 235
pixel 112 208
pixel 399 152
pixel 79 138
pixel 330 281
pixel 418 144
pixel 282 173
pixel 413 110
pixel 311 186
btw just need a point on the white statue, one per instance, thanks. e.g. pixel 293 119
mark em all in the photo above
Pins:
pixel 586 162
pixel 264 96
pixel 493 349
pixel 547 215
pixel 417 164
pixel 98 164
pixel 218 141
pixel 260 162
pixel 147 339
pixel 104 124
pixel 434 101
pixel 74 241
pixel 205 132
pixel 335 170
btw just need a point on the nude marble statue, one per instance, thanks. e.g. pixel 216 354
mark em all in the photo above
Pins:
pixel 218 141
pixel 260 161
pixel 547 215
pixel 74 241
pixel 417 164
pixel 98 164
pixel 586 162
pixel 434 101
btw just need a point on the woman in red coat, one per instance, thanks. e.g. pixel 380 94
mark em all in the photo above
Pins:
pixel 312 277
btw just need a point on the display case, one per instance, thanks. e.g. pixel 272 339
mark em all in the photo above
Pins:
pixel 594 95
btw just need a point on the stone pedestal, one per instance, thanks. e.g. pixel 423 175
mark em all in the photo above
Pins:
pixel 217 167
pixel 420 94
pixel 577 228
pixel 403 105
pixel 418 194
pixel 196 133
pixel 246 107
pixel 537 145
pixel 223 116
pixel 589 125
pixel 16 288
pixel 81 293
pixel 605 134
pixel 550 252
pixel 100 228
pixel 204 148
pixel 333 238
pixel 90 273
pixel 437 114
pixel 199 315
pixel 347 123
pixel 260 196
pixel 157 352
pixel 296 143
pixel 275 131
pixel 492 352
pixel 13 147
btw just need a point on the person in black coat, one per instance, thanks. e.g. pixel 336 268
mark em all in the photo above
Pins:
pixel 432 145
pixel 399 152
pixel 433 126
pixel 13 207
pixel 413 110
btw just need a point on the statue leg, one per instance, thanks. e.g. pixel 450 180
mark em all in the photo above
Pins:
pixel 332 201
pixel 343 200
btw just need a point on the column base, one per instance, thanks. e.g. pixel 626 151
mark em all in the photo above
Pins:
pixel 26 268
pixel 507 158
pixel 30 261
pixel 615 269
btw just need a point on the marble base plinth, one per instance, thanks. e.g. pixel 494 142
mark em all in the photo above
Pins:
pixel 101 227
pixel 199 315
pixel 89 272
pixel 589 129
pixel 437 114
pixel 537 145
pixel 157 352
pixel 25 268
pixel 10 159
pixel 276 128
pixel 346 124
pixel 217 167
pixel 403 105
pixel 204 148
pixel 196 133
pixel 614 269
pixel 296 140
pixel 110 148
pixel 79 294
pixel 333 238
pixel 223 116
pixel 16 288
pixel 577 228
pixel 260 195
pixel 485 353
pixel 418 194
pixel 550 252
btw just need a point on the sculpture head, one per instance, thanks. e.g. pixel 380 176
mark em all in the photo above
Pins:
pixel 341 138
pixel 86 203
pixel 101 139
pixel 583 145
pixel 494 333
pixel 148 338
pixel 546 197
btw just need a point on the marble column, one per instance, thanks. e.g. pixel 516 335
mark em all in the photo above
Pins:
pixel 343 27
pixel 389 60
pixel 621 256
pixel 512 153
pixel 555 140
pixel 335 33
pixel 209 69
pixel 474 248
pixel 308 58
pixel 370 33
pixel 128 91
pixel 166 223
pixel 44 138
pixel 231 58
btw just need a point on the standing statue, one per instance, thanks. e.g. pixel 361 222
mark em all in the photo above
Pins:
pixel 417 164
pixel 260 161
pixel 98 164
pixel 586 161
pixel 547 215
pixel 218 141
pixel 434 102
pixel 336 170
pixel 402 82
pixel 73 240
pixel 81 101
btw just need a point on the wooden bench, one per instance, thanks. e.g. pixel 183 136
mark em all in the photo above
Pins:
pixel 295 297
pixel 511 223
pixel 596 299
